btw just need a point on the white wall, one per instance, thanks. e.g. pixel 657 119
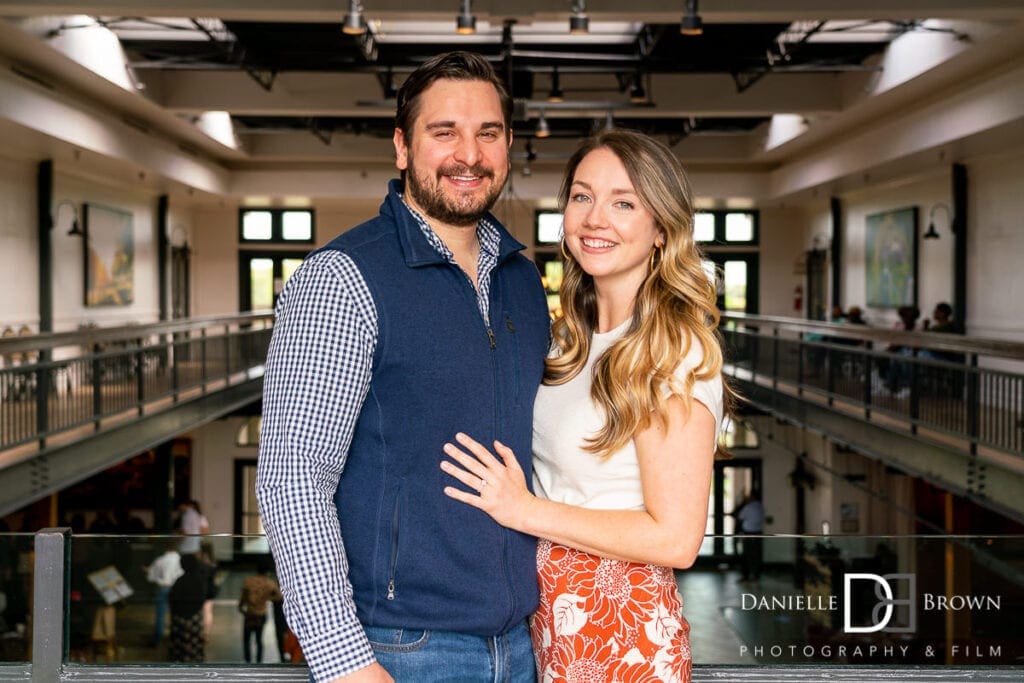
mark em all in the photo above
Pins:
pixel 935 257
pixel 995 279
pixel 19 249
pixel 19 244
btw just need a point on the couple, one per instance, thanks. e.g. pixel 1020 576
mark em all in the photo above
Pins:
pixel 402 404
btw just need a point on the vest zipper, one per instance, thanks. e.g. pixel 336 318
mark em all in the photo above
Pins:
pixel 394 551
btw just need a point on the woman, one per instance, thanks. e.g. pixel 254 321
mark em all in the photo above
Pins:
pixel 187 597
pixel 624 426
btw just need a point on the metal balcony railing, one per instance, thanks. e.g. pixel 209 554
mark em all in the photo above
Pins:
pixel 57 383
pixel 949 388
pixel 836 608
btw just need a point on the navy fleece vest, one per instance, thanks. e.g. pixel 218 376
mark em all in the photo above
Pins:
pixel 417 558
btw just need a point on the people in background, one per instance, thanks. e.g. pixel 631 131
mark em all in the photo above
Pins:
pixel 192 524
pixel 750 523
pixel 942 320
pixel 258 591
pixel 163 572
pixel 417 323
pixel 855 316
pixel 187 597
pixel 624 427
pixel 898 372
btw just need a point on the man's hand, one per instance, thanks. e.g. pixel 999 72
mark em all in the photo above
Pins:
pixel 374 673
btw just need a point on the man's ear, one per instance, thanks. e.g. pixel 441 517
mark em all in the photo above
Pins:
pixel 401 150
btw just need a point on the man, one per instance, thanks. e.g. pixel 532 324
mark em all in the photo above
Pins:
pixel 418 324
pixel 163 572
pixel 750 516
pixel 257 591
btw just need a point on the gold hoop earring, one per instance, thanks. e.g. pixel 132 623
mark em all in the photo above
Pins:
pixel 655 253
pixel 562 248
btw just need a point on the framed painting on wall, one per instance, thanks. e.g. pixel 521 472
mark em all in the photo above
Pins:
pixel 890 256
pixel 109 256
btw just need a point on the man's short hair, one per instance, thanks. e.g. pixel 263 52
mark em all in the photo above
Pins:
pixel 456 66
pixel 944 308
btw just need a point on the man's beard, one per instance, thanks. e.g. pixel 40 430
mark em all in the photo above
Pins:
pixel 451 208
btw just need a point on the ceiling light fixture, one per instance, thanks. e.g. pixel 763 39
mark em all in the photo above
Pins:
pixel 579 22
pixel 555 95
pixel 354 23
pixel 543 129
pixel 637 92
pixel 465 22
pixel 692 24
pixel 609 121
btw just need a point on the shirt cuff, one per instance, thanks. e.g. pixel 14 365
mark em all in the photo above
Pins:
pixel 339 653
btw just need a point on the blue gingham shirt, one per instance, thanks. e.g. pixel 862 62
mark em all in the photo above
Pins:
pixel 318 374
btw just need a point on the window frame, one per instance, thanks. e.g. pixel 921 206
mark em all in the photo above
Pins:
pixel 276 225
pixel 719 239
pixel 537 213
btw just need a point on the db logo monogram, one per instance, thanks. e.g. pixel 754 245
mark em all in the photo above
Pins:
pixel 884 605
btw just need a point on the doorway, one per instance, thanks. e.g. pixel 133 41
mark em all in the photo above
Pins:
pixel 737 280
pixel 731 481
pixel 262 275
pixel 247 513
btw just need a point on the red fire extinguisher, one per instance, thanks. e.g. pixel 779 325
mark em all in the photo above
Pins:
pixel 798 298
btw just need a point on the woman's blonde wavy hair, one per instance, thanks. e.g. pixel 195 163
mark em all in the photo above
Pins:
pixel 675 304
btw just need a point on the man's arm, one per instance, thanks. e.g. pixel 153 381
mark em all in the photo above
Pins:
pixel 317 376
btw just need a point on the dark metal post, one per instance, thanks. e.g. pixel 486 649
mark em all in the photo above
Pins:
pixel 960 242
pixel 836 208
pixel 97 386
pixel 44 222
pixel 162 204
pixel 49 603
pixel 44 199
pixel 973 402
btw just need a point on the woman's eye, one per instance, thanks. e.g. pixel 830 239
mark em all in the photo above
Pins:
pixel 579 197
pixel 623 205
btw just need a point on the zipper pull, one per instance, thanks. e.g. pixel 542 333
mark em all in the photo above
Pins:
pixel 509 325
pixel 391 589
pixel 491 337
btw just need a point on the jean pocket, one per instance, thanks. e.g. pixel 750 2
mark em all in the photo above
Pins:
pixel 396 639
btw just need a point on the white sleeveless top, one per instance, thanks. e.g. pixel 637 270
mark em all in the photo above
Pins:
pixel 564 415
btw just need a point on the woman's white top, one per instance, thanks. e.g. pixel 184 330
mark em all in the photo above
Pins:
pixel 565 415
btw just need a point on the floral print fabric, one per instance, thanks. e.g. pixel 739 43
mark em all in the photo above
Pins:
pixel 603 620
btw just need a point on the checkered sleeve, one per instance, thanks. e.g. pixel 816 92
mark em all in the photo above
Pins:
pixel 317 377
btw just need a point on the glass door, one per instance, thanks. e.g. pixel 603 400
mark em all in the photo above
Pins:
pixel 737 280
pixel 263 274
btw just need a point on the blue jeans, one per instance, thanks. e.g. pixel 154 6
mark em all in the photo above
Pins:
pixel 420 656
pixel 162 593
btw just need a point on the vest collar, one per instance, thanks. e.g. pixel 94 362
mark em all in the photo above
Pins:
pixel 416 250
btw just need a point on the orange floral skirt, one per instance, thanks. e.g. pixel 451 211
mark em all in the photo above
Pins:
pixel 607 620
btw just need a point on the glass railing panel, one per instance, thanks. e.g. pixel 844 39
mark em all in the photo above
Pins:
pixel 839 600
pixel 860 600
pixel 15 597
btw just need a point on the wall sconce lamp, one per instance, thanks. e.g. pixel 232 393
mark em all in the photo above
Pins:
pixel 931 233
pixel 692 24
pixel 465 22
pixel 579 22
pixel 354 23
pixel 76 230
pixel 179 239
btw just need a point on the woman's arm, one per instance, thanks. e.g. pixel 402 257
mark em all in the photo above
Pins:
pixel 676 462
